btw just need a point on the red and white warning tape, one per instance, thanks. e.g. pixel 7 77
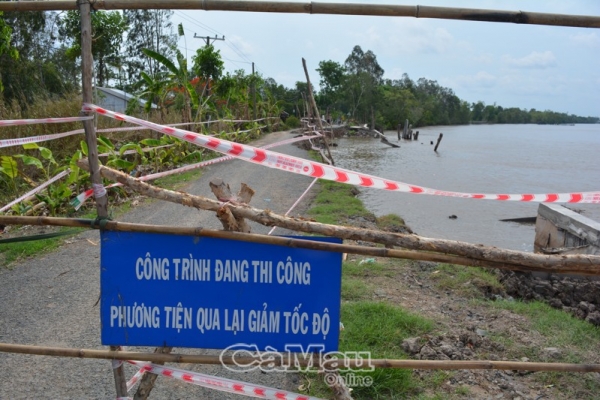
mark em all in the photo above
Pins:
pixel 36 139
pixel 36 190
pixel 84 196
pixel 12 122
pixel 136 377
pixel 295 203
pixel 221 384
pixel 317 170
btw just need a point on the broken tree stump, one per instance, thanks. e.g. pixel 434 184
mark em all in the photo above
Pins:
pixel 384 139
pixel 222 192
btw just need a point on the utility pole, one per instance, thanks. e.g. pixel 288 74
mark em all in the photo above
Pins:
pixel 253 91
pixel 209 38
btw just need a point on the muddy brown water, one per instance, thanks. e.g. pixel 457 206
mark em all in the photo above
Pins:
pixel 478 159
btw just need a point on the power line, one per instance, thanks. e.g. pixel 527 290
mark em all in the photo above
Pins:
pixel 234 48
pixel 209 38
pixel 229 44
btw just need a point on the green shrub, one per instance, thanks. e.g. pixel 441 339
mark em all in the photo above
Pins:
pixel 292 122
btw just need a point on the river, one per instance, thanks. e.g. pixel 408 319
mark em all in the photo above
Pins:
pixel 509 159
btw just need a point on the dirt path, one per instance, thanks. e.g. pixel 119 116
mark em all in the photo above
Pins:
pixel 50 300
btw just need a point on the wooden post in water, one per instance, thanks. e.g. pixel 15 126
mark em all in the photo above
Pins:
pixel 405 132
pixel 438 142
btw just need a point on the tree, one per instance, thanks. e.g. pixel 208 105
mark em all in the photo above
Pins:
pixel 208 65
pixel 364 75
pixel 107 36
pixel 477 111
pixel 176 80
pixel 332 78
pixel 5 47
pixel 148 29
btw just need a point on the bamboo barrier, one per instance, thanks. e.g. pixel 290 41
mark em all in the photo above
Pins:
pixel 574 264
pixel 298 360
pixel 577 264
pixel 381 10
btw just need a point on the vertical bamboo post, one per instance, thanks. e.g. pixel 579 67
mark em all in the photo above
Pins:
pixel 316 109
pixel 147 383
pixel 87 67
pixel 438 142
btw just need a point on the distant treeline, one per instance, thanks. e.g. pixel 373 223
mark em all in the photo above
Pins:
pixel 136 51
pixel 498 115
pixel 357 90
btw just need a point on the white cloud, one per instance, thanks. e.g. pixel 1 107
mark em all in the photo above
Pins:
pixel 481 79
pixel 405 37
pixel 586 39
pixel 484 58
pixel 533 60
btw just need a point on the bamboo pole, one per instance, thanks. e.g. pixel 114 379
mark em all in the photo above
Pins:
pixel 579 264
pixel 317 113
pixel 100 195
pixel 147 382
pixel 381 10
pixel 87 71
pixel 300 360
pixel 573 264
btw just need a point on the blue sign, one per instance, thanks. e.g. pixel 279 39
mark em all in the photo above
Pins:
pixel 189 291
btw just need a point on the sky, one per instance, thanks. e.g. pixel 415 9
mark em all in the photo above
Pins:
pixel 511 65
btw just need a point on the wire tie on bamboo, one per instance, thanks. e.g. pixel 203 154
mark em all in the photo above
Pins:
pixel 100 223
pixel 99 190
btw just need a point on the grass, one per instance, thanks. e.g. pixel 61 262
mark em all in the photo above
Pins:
pixel 390 222
pixel 469 282
pixel 356 269
pixel 560 329
pixel 11 252
pixel 176 181
pixel 378 328
pixel 371 326
pixel 336 203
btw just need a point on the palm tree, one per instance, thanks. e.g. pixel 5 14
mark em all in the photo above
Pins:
pixel 177 78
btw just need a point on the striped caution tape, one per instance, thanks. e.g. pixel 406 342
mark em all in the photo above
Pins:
pixel 222 384
pixel 36 190
pixel 317 170
pixel 36 139
pixel 78 201
pixel 13 122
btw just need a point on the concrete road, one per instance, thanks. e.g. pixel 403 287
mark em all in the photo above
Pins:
pixel 51 300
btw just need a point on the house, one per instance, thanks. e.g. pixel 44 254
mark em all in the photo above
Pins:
pixel 116 99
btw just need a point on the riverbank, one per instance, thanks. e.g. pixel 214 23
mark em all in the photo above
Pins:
pixel 430 311
pixel 392 308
